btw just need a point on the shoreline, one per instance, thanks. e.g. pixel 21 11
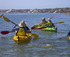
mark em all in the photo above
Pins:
pixel 52 10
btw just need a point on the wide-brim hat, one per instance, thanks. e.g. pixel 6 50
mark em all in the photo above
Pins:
pixel 43 18
pixel 22 24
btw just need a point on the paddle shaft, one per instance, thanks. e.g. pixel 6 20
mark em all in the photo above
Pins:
pixel 13 23
pixel 1 15
pixel 51 17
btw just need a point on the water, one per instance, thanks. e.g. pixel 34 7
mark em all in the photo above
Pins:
pixel 49 44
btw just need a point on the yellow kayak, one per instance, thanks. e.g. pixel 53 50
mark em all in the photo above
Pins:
pixel 22 39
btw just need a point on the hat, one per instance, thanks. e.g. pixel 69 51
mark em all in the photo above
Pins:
pixel 22 23
pixel 43 18
pixel 48 19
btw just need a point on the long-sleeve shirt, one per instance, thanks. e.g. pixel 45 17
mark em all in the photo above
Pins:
pixel 17 28
pixel 68 33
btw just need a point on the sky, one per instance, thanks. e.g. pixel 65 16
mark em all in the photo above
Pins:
pixel 33 4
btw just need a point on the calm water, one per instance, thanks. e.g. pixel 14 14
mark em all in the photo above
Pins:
pixel 49 44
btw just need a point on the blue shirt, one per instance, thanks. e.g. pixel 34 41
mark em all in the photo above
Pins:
pixel 17 28
pixel 69 33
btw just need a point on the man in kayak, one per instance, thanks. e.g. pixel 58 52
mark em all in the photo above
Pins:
pixel 44 22
pixel 50 24
pixel 22 29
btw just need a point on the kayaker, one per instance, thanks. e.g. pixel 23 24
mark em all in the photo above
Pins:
pixel 44 22
pixel 68 33
pixel 50 24
pixel 22 29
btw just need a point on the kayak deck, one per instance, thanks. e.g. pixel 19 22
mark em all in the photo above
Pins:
pixel 22 39
pixel 49 29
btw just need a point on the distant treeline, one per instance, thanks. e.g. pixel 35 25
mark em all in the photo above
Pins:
pixel 51 10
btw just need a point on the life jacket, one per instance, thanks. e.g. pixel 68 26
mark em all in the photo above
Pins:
pixel 21 32
pixel 43 23
pixel 50 23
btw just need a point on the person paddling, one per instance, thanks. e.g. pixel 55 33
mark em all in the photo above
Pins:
pixel 50 24
pixel 22 29
pixel 44 22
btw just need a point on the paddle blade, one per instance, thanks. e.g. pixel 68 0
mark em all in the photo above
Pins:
pixel 4 32
pixel 60 22
pixel 1 15
pixel 6 19
pixel 35 35
pixel 42 28
pixel 32 27
pixel 36 25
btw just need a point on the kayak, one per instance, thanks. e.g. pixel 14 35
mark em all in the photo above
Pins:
pixel 22 39
pixel 50 29
pixel 44 28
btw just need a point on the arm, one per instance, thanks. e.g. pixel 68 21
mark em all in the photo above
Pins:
pixel 14 28
pixel 53 25
pixel 40 24
pixel 28 30
pixel 68 33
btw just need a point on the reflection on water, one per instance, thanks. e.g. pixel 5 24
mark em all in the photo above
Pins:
pixel 49 44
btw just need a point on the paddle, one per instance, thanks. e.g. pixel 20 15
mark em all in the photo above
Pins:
pixel 1 15
pixel 32 27
pixel 51 17
pixel 35 36
pixel 6 32
pixel 38 28
pixel 6 19
pixel 42 28
pixel 58 22
pixel 35 26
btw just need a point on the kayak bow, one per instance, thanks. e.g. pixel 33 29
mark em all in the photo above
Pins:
pixel 22 39
pixel 44 28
